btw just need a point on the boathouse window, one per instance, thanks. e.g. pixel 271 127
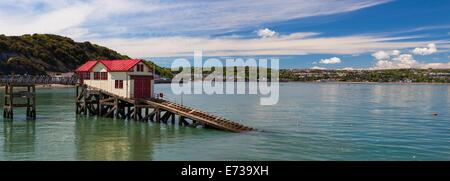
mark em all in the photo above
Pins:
pixel 85 75
pixel 118 84
pixel 104 75
pixel 96 75
pixel 140 68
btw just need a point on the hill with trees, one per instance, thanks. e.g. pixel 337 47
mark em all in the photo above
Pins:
pixel 39 54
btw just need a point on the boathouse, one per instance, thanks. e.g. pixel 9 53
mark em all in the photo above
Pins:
pixel 125 78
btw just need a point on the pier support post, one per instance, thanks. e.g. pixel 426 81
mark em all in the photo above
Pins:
pixel 31 102
pixel 116 104
pixel 85 94
pixel 172 118
pixel 146 115
pixel 29 95
pixel 77 105
pixel 181 120
pixel 158 115
pixel 137 110
pixel 8 108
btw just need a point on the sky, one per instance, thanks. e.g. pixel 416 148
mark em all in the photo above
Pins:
pixel 321 34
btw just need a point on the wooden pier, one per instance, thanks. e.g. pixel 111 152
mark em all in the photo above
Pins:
pixel 99 102
pixel 25 96
pixel 29 94
pixel 92 101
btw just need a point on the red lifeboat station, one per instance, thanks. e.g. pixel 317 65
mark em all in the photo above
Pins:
pixel 126 78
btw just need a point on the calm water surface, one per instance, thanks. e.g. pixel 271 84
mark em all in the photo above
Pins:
pixel 311 122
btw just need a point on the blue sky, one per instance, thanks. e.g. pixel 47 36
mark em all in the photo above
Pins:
pixel 322 34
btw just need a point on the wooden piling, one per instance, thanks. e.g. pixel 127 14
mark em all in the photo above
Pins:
pixel 10 96
pixel 111 105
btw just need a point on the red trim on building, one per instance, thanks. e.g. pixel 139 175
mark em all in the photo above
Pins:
pixel 112 65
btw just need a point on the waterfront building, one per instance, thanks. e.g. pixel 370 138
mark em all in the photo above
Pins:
pixel 126 78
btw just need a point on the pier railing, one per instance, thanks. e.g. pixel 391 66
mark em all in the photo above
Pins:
pixel 39 79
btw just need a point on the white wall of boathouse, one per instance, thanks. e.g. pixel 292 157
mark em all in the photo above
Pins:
pixel 109 84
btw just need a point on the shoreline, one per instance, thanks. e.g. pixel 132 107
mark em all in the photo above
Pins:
pixel 390 83
pixel 57 86
pixel 342 82
pixel 47 86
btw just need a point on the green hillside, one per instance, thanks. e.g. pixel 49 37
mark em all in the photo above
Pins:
pixel 41 53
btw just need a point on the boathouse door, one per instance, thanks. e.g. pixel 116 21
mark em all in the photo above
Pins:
pixel 142 86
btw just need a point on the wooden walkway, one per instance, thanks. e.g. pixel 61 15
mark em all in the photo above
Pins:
pixel 27 92
pixel 200 116
pixel 94 101
pixel 99 102
pixel 33 80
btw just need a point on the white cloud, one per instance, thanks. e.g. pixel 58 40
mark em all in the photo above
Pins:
pixel 103 18
pixel 334 60
pixel 395 60
pixel 266 33
pixel 177 28
pixel 318 68
pixel 347 68
pixel 385 55
pixel 395 52
pixel 437 65
pixel 430 49
pixel 293 44
pixel 381 55
pixel 53 21
pixel 403 61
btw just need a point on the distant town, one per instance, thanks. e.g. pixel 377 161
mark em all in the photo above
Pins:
pixel 359 75
pixel 316 75
pixel 390 75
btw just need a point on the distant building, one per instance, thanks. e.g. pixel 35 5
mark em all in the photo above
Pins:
pixel 59 74
pixel 127 78
pixel 439 74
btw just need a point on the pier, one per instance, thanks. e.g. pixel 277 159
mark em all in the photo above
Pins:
pixel 10 96
pixel 97 102
pixel 26 92
pixel 93 101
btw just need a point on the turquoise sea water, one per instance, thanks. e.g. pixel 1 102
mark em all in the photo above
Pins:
pixel 312 121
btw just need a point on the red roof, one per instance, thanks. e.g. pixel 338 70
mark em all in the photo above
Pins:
pixel 111 65
pixel 119 65
pixel 86 67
